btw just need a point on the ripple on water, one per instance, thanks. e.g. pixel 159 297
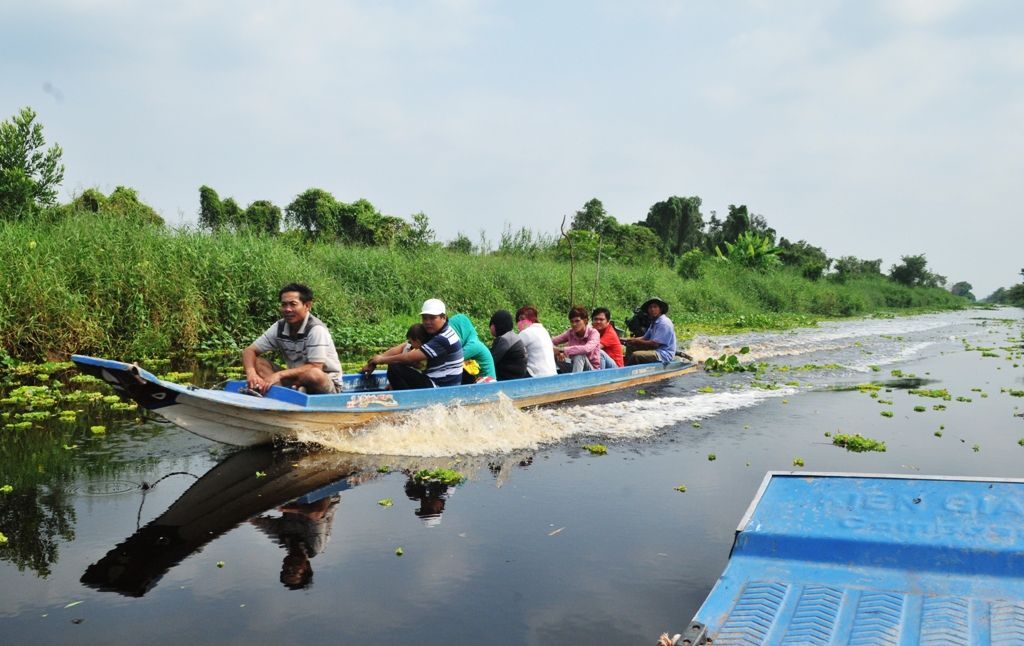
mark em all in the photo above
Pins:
pixel 104 488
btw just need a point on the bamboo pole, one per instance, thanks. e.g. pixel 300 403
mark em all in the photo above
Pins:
pixel 572 266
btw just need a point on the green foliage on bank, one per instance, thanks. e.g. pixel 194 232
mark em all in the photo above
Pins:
pixel 103 283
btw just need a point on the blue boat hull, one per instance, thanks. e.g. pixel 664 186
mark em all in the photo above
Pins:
pixel 282 414
pixel 872 559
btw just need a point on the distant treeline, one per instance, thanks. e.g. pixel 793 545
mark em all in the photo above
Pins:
pixel 1008 296
pixel 103 273
pixel 673 233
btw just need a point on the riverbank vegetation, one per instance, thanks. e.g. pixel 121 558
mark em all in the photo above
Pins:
pixel 103 274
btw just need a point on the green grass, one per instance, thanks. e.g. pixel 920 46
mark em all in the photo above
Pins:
pixel 104 285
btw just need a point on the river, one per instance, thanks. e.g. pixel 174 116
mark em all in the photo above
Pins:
pixel 147 534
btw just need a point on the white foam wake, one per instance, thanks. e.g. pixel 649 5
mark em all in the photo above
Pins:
pixel 502 428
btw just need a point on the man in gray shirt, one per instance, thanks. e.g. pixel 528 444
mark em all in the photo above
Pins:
pixel 304 341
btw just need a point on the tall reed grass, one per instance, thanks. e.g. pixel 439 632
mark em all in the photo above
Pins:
pixel 100 284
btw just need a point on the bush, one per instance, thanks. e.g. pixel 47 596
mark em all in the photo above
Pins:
pixel 690 265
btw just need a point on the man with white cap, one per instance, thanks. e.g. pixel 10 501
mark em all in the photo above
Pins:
pixel 443 354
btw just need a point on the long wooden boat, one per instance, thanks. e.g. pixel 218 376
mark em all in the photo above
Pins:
pixel 281 414
pixel 848 559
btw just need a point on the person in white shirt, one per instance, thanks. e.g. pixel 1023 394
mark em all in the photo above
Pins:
pixel 540 360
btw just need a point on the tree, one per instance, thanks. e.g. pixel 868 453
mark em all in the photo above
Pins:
pixel 913 272
pixel 963 288
pixel 461 244
pixel 591 218
pixel 261 216
pixel 678 223
pixel 849 267
pixel 28 175
pixel 211 211
pixel 812 261
pixel 315 211
pixel 126 203
pixel 419 235
pixel 751 250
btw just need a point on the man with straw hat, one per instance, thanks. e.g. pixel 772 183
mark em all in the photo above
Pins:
pixel 659 342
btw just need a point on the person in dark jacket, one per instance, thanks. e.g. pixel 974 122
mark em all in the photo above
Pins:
pixel 508 350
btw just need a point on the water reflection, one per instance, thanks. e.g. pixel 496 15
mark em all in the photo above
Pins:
pixel 431 496
pixel 303 530
pixel 304 487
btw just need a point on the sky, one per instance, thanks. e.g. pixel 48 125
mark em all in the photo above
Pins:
pixel 870 128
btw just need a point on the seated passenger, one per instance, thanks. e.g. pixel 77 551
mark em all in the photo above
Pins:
pixel 611 345
pixel 540 359
pixel 442 352
pixel 508 351
pixel 582 349
pixel 415 337
pixel 473 349
pixel 306 344
pixel 659 343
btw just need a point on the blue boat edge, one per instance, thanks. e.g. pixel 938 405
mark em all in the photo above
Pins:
pixel 851 558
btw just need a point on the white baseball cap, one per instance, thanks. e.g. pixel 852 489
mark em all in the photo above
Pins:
pixel 433 307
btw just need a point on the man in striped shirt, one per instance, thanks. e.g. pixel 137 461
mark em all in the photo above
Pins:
pixel 305 343
pixel 443 354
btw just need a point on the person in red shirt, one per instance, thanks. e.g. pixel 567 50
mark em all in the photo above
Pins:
pixel 611 346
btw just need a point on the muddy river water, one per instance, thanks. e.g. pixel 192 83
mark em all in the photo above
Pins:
pixel 151 535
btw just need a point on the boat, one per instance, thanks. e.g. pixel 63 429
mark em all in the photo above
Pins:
pixel 851 559
pixel 231 417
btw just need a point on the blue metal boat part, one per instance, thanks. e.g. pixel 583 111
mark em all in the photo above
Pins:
pixel 850 559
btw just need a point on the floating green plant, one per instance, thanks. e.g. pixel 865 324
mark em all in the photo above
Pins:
pixel 123 406
pixel 712 457
pixel 875 368
pixel 681 488
pixel 1020 441
pixel 730 363
pixel 798 462
pixel 706 389
pixel 858 444
pixel 976 448
pixel 9 488
pixel 896 373
pixel 383 469
pixel 398 551
pixel 98 429
pixel 887 402
pixel 864 388
pixel 938 433
pixel 886 413
pixel 387 502
pixel 447 476
pixel 828 434
pixel 596 449
pixel 937 394
pixel 919 409
pixel 260 474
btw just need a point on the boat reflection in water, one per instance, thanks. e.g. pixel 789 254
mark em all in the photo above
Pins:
pixel 305 487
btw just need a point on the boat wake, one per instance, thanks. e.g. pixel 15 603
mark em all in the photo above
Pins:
pixel 502 428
